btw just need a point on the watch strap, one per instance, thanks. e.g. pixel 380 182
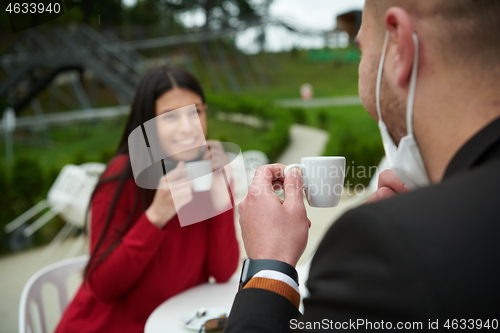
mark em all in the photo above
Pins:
pixel 252 267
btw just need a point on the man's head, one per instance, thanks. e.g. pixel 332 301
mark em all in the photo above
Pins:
pixel 459 60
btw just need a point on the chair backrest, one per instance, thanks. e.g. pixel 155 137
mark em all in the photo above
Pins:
pixel 68 183
pixel 94 169
pixel 76 210
pixel 56 274
pixel 253 159
pixel 70 194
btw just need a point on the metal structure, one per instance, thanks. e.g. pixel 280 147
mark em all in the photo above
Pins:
pixel 69 61
pixel 39 58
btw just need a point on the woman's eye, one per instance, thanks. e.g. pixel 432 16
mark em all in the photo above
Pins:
pixel 169 117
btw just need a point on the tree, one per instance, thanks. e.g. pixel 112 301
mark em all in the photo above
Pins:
pixel 221 14
pixel 110 11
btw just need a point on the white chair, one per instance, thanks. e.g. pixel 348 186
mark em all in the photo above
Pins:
pixel 80 182
pixel 56 274
pixel 253 159
pixel 69 197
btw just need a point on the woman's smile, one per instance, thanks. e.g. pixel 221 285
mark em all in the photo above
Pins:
pixel 186 142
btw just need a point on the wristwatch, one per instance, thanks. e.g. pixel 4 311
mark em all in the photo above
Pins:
pixel 252 267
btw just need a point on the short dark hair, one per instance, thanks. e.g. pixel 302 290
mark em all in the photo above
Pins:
pixel 467 29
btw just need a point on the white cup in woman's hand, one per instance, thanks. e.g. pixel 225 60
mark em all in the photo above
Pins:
pixel 180 186
pixel 200 175
pixel 174 192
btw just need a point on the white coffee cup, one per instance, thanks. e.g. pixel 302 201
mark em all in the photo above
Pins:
pixel 200 175
pixel 323 179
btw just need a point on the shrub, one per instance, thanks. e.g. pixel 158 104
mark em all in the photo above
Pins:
pixel 355 135
pixel 323 120
pixel 80 157
pixel 27 186
pixel 6 214
pixel 273 140
pixel 106 155
pixel 299 116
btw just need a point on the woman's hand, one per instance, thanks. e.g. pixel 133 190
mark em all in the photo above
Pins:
pixel 216 154
pixel 174 184
pixel 220 160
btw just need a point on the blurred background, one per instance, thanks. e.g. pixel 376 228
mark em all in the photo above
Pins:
pixel 267 66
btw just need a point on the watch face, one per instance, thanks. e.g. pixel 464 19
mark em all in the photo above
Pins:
pixel 244 272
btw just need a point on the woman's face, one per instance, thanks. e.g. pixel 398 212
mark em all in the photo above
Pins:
pixel 182 131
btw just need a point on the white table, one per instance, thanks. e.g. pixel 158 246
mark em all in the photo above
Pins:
pixel 165 318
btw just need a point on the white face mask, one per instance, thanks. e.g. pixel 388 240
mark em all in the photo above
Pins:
pixel 405 159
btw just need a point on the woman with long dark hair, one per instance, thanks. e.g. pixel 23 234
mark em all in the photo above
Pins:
pixel 140 255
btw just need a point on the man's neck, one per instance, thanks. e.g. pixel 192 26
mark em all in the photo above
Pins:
pixel 447 115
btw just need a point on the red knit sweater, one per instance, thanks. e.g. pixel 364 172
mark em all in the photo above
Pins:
pixel 149 265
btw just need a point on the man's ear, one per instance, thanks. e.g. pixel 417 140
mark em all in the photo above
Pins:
pixel 400 27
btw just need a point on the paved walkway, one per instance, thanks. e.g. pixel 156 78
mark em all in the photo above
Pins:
pixel 16 269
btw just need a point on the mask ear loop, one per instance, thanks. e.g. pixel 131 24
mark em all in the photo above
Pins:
pixel 379 76
pixel 412 89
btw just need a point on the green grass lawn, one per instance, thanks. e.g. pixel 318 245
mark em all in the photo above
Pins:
pixel 286 72
pixel 245 137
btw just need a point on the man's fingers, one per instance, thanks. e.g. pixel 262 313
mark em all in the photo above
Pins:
pixel 293 186
pixel 389 178
pixel 266 175
pixel 278 185
pixel 389 185
pixel 380 194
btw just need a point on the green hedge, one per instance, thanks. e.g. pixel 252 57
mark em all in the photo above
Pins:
pixel 23 185
pixel 355 135
pixel 272 140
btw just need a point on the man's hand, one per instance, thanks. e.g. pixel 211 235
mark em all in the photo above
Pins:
pixel 388 186
pixel 272 228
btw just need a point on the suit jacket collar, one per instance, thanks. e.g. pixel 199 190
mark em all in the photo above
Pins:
pixel 483 147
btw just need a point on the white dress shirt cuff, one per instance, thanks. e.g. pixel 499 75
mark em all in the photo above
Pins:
pixel 275 275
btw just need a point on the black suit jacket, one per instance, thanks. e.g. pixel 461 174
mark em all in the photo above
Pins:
pixel 431 254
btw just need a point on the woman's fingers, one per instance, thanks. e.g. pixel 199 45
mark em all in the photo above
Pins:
pixel 218 155
pixel 177 174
